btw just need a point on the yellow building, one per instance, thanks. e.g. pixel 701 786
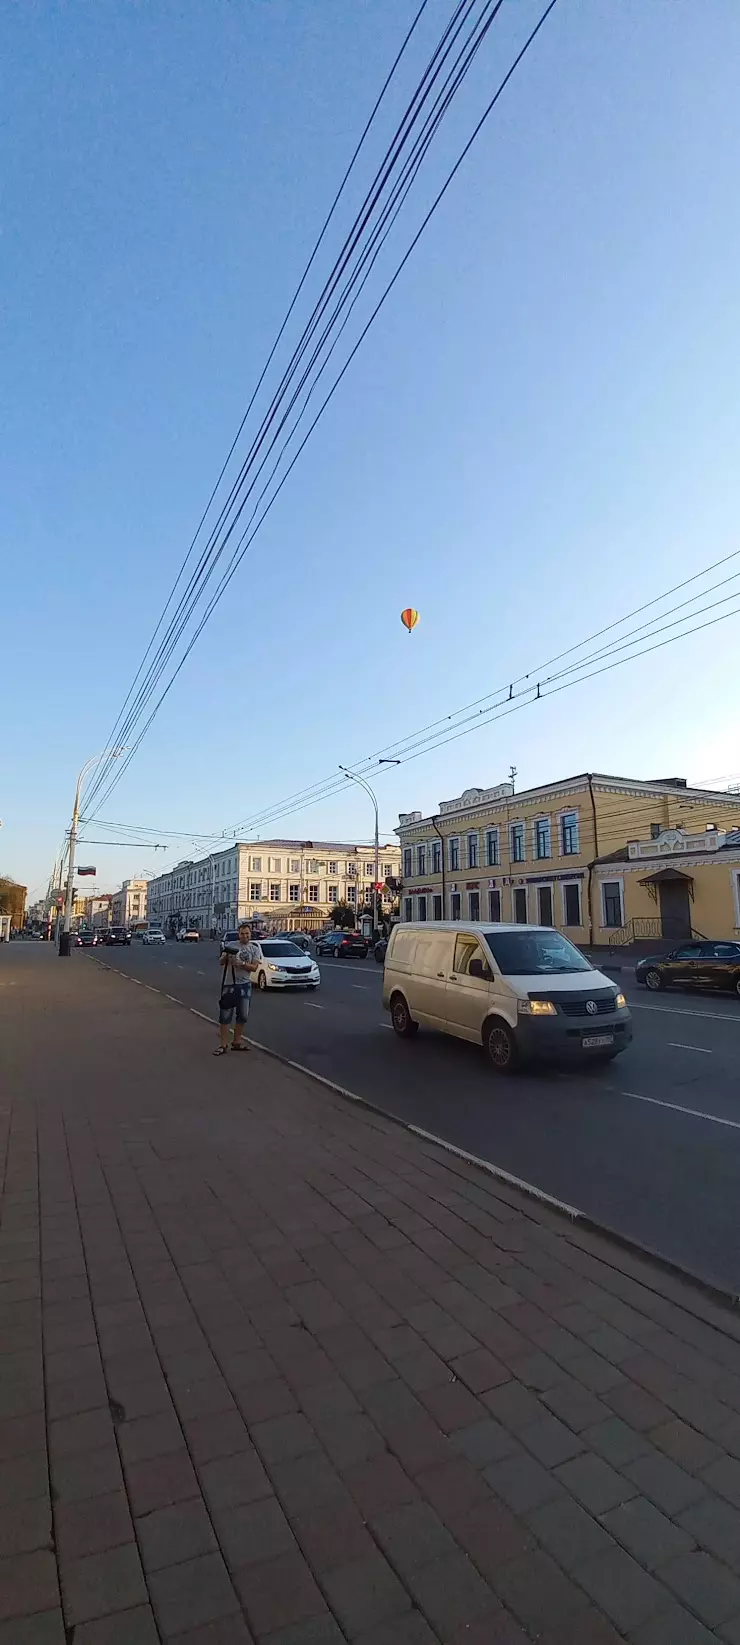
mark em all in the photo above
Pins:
pixel 545 857
pixel 677 885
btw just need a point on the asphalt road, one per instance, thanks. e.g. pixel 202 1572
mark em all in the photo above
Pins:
pixel 649 1145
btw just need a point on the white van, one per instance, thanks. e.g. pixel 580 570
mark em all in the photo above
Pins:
pixel 522 991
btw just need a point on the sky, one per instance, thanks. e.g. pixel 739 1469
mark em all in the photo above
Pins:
pixel 539 433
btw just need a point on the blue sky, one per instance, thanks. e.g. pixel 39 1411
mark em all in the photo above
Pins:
pixel 540 432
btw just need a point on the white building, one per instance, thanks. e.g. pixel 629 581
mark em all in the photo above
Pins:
pixel 129 905
pixel 291 883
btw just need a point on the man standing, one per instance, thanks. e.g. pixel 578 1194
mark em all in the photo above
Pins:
pixel 242 959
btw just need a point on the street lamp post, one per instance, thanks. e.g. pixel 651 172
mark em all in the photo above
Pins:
pixel 353 777
pixel 69 896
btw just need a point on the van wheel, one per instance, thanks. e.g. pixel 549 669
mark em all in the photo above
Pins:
pixel 501 1046
pixel 402 1020
pixel 262 982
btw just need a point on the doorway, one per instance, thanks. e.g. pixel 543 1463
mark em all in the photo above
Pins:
pixel 675 909
pixel 544 904
pixel 520 905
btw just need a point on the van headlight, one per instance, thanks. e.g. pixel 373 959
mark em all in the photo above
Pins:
pixel 536 1008
pixel 620 1003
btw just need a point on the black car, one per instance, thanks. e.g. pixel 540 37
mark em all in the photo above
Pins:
pixel 117 937
pixel 86 939
pixel 339 944
pixel 298 937
pixel 693 965
pixel 380 950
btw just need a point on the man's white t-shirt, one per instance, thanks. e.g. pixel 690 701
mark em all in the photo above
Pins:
pixel 249 953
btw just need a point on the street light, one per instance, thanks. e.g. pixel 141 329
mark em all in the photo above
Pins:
pixel 69 896
pixel 353 777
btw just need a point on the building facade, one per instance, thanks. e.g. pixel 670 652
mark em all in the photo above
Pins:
pixel 538 857
pixel 677 885
pixel 289 883
pixel 129 905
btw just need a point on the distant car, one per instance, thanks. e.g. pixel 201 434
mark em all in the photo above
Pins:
pixel 297 937
pixel 693 965
pixel 380 950
pixel 117 937
pixel 342 943
pixel 230 942
pixel 86 939
pixel 284 965
pixel 189 935
pixel 153 936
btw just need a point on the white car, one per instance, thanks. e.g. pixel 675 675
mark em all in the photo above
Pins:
pixel 284 965
pixel 154 936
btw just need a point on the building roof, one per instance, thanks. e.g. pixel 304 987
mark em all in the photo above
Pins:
pixel 670 786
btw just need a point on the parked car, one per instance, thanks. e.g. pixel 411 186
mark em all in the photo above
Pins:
pixel 340 944
pixel 693 965
pixel 117 937
pixel 380 950
pixel 284 965
pixel 298 937
pixel 86 939
pixel 521 991
pixel 153 936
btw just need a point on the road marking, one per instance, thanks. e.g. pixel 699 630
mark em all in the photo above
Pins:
pixel 312 1006
pixel 678 1046
pixel 670 1011
pixel 181 968
pixel 360 985
pixel 386 1025
pixel 694 1113
pixel 200 973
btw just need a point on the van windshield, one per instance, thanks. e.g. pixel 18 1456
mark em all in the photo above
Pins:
pixel 534 953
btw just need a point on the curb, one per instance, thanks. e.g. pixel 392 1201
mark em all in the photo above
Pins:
pixel 729 1301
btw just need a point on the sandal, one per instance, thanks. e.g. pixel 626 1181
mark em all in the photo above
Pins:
pixel 221 1051
pixel 240 1047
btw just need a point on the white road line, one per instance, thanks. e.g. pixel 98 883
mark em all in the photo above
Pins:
pixel 361 985
pixel 312 1006
pixel 678 1046
pixel 694 1113
pixel 200 973
pixel 670 1011
pixel 386 1025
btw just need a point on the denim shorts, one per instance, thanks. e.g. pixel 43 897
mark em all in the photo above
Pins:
pixel 240 1011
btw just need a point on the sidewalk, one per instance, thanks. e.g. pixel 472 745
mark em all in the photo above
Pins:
pixel 306 1378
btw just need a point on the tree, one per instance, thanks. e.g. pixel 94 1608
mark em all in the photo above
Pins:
pixel 343 915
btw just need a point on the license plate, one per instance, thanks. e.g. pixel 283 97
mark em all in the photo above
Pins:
pixel 590 1041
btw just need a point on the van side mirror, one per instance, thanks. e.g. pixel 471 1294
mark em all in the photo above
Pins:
pixel 478 968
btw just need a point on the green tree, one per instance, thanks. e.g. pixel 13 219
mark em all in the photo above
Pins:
pixel 343 915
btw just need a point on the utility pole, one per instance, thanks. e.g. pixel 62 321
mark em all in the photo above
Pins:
pixel 512 775
pixel 64 944
pixel 353 777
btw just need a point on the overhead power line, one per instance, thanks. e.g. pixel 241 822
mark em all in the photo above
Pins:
pixel 455 75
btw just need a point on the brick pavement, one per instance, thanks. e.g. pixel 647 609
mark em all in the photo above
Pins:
pixel 272 1369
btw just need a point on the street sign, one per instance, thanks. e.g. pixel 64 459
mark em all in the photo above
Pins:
pixel 82 871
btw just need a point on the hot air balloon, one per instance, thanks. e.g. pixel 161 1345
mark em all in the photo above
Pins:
pixel 409 618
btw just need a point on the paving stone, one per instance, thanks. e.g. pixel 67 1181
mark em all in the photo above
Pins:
pixel 490 1534
pixel 258 1401
pixel 574 1404
pixel 410 1629
pixel 484 1442
pixel 452 1487
pixel 522 1482
pixel 641 1528
pixel 134 1627
pixel 229 1481
pixel 453 1406
pixel 667 1485
pixel 314 1630
pixel 551 1442
pixel 308 1482
pixel 378 1484
pixel 480 1370
pixel 706 1586
pixel 43 1628
pixel 537 1592
pixel 282 1438
pixel 636 1406
pixel 279 1592
pixel 177 1533
pixel 333 1535
pixel 568 1532
pixel 100 1583
pixel 92 1525
pixel 412 1535
pixel 597 1486
pixel 673 1626
pixel 724 1477
pixel 160 1481
pixel 588 1628
pixel 515 1406
pixel 25 1526
pixel 449 1592
pixel 615 1441
pixel 621 1587
pixel 86 1473
pixel 687 1447
pixel 195 1592
pixel 28 1583
pixel 715 1525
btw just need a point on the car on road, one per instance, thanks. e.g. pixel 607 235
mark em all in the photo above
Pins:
pixel 230 942
pixel 283 964
pixel 693 965
pixel 521 991
pixel 153 936
pixel 298 937
pixel 340 944
pixel 188 935
pixel 117 937
pixel 380 950
pixel 86 939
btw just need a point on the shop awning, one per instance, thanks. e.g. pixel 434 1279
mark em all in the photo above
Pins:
pixel 662 875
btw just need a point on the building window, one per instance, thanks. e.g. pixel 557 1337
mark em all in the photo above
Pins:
pixel 370 868
pixel 333 893
pixel 352 870
pixel 313 893
pixel 455 855
pixel 572 904
pixel 494 906
pixel 542 838
pixel 295 865
pixel 421 859
pixel 256 865
pixel 351 893
pixel 408 912
pixel 611 902
pixel 407 862
pixel 294 893
pixel 474 905
pixel 520 905
pixel 569 833
pixel 492 848
pixel 276 864
pixel 544 904
pixel 656 830
pixel 332 868
pixel 472 851
pixel 455 905
pixel 437 857
pixel 517 842
pixel 422 908
pixel 255 891
pixel 275 891
pixel 387 871
pixel 436 908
